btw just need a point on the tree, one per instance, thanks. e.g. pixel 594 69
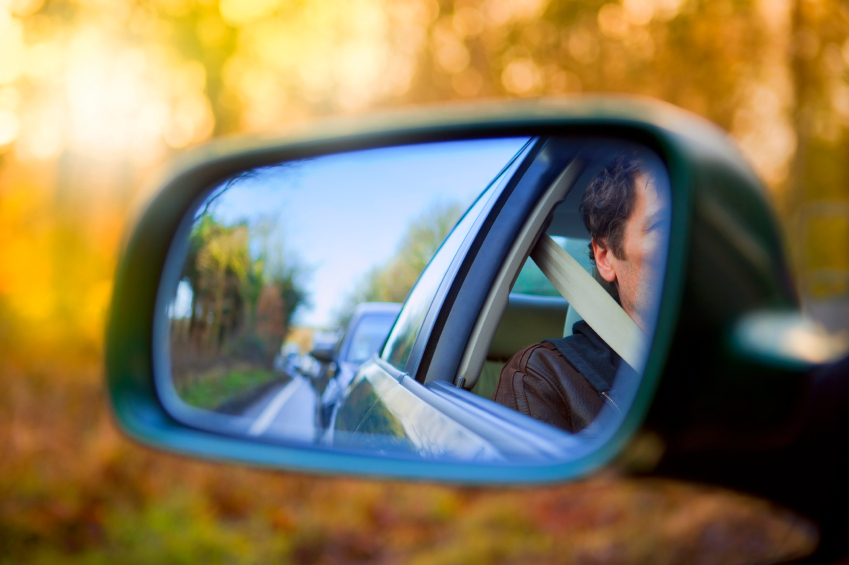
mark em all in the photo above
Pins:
pixel 242 301
pixel 393 280
pixel 280 268
pixel 223 265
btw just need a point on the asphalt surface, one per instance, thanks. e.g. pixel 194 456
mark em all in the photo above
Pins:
pixel 285 412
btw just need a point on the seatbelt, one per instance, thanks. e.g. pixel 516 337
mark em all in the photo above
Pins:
pixel 592 302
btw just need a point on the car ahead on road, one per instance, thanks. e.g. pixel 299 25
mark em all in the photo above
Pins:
pixel 318 365
pixel 288 359
pixel 364 335
pixel 723 381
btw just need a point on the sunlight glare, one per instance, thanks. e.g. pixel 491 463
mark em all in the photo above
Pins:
pixel 345 55
pixel 241 12
pixel 42 134
pixel 9 127
pixel 11 46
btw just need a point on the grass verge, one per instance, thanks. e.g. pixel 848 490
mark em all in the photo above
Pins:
pixel 211 389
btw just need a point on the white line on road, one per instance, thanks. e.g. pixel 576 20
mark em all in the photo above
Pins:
pixel 270 412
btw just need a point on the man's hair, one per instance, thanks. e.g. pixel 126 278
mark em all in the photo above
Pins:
pixel 608 202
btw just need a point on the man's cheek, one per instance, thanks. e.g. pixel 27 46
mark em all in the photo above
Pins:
pixel 652 247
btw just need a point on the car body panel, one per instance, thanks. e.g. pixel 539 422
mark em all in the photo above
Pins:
pixel 439 421
pixel 331 390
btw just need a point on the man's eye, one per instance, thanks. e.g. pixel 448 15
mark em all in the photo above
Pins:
pixel 659 224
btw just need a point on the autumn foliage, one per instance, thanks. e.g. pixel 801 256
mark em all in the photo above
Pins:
pixel 94 96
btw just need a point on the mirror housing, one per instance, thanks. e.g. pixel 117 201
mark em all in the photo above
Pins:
pixel 699 399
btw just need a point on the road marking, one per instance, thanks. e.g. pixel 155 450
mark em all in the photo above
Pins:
pixel 271 411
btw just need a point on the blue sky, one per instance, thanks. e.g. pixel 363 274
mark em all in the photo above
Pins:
pixel 342 214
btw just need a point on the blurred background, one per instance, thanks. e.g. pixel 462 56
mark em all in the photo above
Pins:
pixel 96 94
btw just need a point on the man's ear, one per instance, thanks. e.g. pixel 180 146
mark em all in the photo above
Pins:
pixel 602 262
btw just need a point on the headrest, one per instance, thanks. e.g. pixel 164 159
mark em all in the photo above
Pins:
pixel 528 319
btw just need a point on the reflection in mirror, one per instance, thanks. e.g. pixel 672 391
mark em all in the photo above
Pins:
pixel 308 290
pixel 572 336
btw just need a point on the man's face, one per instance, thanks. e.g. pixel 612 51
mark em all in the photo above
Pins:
pixel 637 273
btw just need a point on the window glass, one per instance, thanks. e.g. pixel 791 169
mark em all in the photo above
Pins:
pixel 532 281
pixel 368 337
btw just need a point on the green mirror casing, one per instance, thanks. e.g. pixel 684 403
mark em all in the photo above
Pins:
pixel 697 395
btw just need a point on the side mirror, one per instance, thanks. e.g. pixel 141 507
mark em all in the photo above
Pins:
pixel 322 355
pixel 206 287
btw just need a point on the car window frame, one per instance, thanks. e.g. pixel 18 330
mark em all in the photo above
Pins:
pixel 495 304
pixel 505 181
pixel 480 264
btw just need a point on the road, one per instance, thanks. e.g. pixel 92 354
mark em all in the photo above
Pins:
pixel 285 412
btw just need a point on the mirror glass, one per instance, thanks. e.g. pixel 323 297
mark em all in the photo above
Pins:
pixel 323 301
